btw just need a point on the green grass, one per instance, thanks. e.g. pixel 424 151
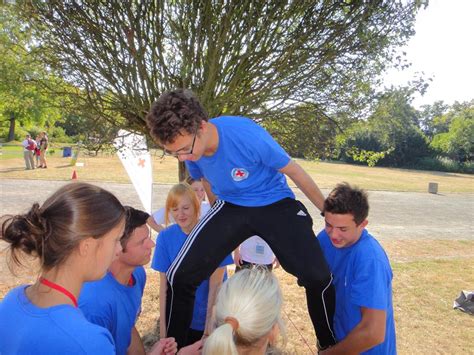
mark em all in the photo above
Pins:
pixel 11 151
pixel 423 297
pixel 15 150
pixel 107 167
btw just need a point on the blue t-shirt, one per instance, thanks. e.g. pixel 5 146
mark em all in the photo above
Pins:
pixel 63 329
pixel 168 244
pixel 114 306
pixel 362 278
pixel 244 169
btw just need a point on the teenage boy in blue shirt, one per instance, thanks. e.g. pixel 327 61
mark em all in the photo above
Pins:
pixel 114 302
pixel 241 164
pixel 363 320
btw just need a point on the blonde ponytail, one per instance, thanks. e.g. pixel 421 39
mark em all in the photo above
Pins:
pixel 247 308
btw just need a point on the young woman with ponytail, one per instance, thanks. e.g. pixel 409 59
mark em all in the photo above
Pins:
pixel 75 234
pixel 247 315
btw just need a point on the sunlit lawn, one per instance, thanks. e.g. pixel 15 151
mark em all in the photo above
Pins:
pixel 109 168
pixel 428 274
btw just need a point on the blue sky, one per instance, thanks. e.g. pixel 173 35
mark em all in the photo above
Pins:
pixel 442 48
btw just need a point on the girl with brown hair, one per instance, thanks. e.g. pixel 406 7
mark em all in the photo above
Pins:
pixel 75 234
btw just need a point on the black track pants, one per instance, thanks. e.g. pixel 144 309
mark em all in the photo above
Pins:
pixel 285 225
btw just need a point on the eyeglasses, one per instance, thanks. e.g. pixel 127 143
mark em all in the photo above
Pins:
pixel 179 153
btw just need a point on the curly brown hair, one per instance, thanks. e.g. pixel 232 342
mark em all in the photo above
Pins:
pixel 173 112
pixel 346 199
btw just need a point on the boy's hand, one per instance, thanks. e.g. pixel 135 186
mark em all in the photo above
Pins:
pixel 193 349
pixel 166 346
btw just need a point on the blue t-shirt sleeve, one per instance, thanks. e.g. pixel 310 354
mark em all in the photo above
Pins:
pixel 161 260
pixel 370 285
pixel 96 342
pixel 270 153
pixel 327 247
pixel 104 345
pixel 227 261
pixel 194 170
pixel 101 320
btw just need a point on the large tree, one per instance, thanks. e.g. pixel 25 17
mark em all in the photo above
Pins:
pixel 253 57
pixel 239 56
pixel 26 85
pixel 390 136
pixel 457 140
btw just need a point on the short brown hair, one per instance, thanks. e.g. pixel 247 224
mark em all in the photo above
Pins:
pixel 346 199
pixel 135 218
pixel 52 232
pixel 173 112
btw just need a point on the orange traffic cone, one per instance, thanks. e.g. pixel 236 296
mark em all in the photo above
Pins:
pixel 74 175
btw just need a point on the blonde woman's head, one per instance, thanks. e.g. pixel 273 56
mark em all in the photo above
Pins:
pixel 247 313
pixel 182 199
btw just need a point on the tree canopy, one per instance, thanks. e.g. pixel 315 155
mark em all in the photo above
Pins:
pixel 240 57
pixel 26 95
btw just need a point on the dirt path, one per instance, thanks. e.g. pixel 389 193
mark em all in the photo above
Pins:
pixel 393 215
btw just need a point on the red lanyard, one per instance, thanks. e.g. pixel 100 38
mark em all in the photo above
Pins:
pixel 59 289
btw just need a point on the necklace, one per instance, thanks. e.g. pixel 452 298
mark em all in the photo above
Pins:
pixel 58 288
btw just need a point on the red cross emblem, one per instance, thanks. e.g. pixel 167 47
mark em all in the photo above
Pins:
pixel 239 174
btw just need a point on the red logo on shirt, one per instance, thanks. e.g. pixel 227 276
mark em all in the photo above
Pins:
pixel 239 174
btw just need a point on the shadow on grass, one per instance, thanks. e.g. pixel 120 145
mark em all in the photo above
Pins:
pixel 8 170
pixel 64 166
pixel 152 337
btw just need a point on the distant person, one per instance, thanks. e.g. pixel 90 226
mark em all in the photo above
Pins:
pixel 38 150
pixel 247 315
pixel 243 170
pixel 114 302
pixel 183 205
pixel 157 219
pixel 363 320
pixel 29 146
pixel 44 145
pixel 254 251
pixel 75 234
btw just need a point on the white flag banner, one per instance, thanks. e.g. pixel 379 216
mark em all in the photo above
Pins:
pixel 135 157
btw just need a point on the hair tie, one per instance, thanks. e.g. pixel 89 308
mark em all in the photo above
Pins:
pixel 234 323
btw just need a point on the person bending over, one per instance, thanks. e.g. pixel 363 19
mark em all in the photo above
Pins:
pixel 239 162
pixel 363 320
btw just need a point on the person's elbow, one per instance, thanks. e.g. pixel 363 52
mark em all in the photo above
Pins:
pixel 376 335
pixel 373 325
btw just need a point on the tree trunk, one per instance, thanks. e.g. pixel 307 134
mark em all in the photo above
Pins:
pixel 182 171
pixel 11 132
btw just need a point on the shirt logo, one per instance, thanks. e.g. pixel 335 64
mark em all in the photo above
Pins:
pixel 301 213
pixel 239 174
